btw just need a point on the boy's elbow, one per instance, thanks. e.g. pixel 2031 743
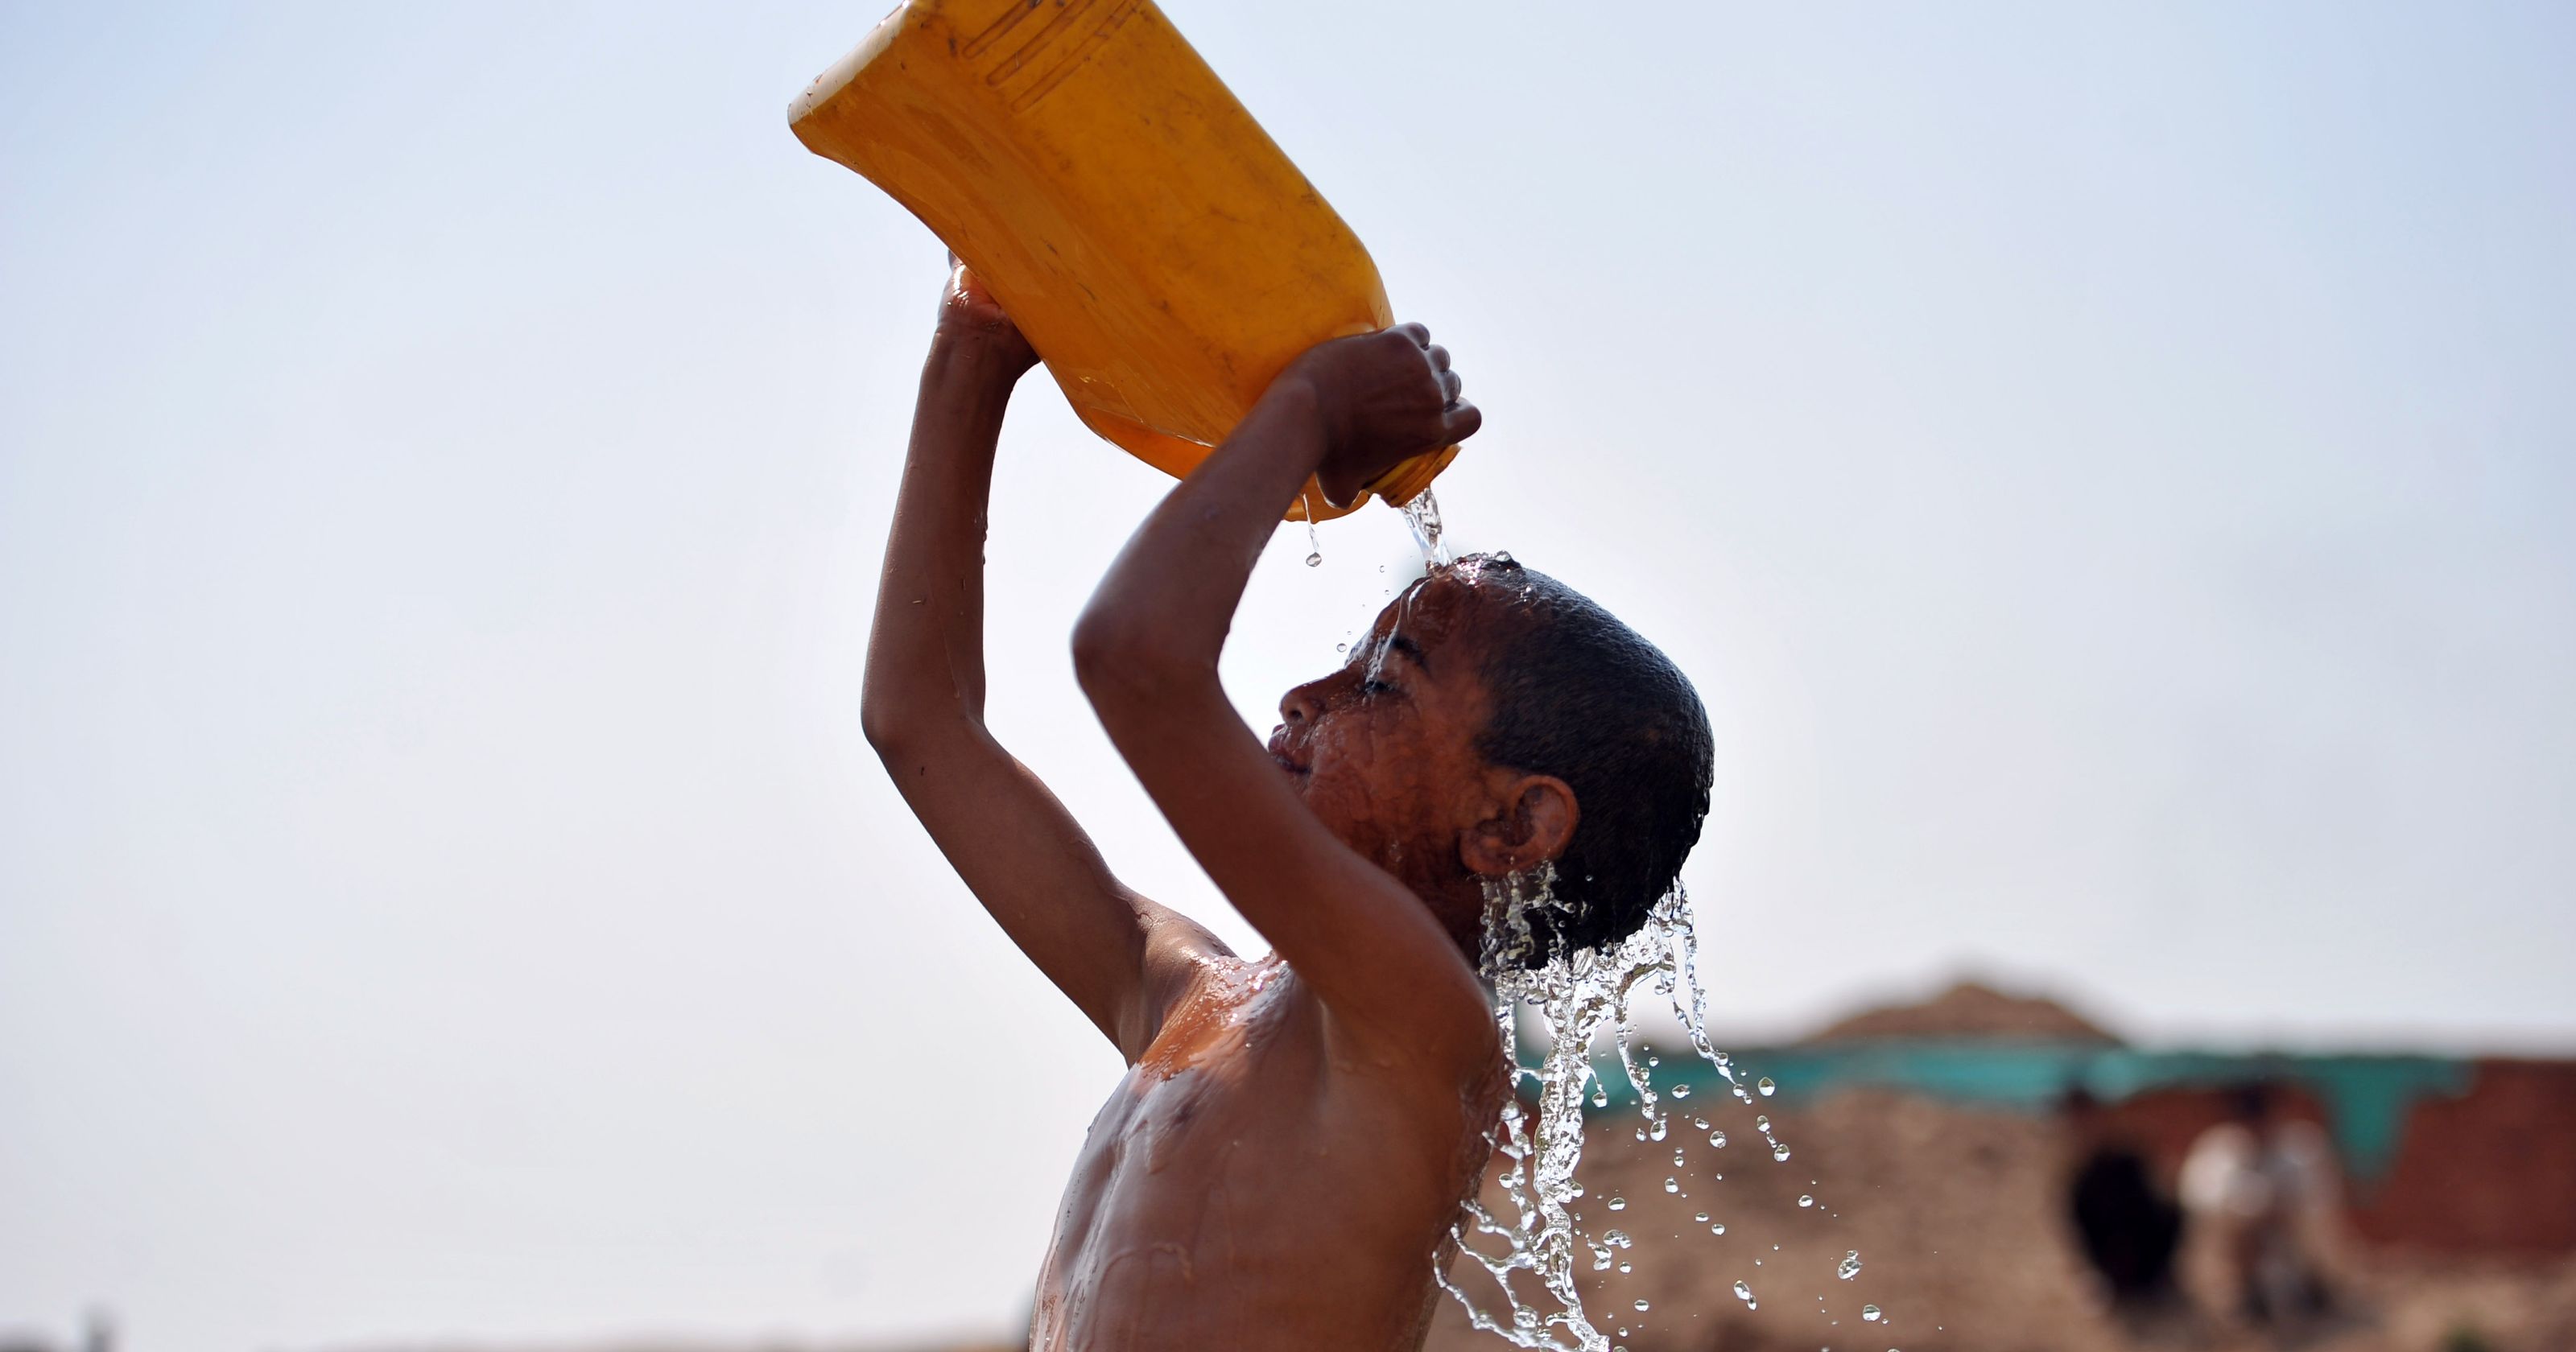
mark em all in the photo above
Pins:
pixel 888 729
pixel 1120 662
pixel 1102 644
pixel 897 722
pixel 880 726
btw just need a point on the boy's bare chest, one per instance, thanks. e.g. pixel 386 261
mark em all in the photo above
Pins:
pixel 1236 1164
pixel 1237 1088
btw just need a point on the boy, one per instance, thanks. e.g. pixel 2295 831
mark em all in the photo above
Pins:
pixel 1281 1164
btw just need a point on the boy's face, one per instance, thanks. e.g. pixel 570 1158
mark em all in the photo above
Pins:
pixel 1384 750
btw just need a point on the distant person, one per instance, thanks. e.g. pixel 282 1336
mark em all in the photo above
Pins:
pixel 1295 1134
pixel 2128 1228
pixel 2265 1185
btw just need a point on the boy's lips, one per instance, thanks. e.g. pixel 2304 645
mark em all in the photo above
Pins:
pixel 1278 749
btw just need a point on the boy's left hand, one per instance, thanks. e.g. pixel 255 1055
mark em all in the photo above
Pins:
pixel 1384 398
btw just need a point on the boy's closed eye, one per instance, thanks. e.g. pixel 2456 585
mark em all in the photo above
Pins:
pixel 1375 659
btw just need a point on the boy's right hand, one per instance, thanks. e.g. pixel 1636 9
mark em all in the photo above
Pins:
pixel 1384 398
pixel 968 312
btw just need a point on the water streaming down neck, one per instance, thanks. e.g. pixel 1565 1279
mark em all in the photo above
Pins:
pixel 1578 997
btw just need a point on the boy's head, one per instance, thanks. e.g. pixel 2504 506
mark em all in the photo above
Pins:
pixel 1495 720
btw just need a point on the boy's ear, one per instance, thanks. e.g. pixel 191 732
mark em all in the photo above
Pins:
pixel 1535 823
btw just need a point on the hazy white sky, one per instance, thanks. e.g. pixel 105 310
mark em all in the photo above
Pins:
pixel 2108 470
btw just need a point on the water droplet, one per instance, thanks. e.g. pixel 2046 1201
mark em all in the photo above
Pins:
pixel 1617 1239
pixel 1701 1217
pixel 1653 1061
pixel 1677 1159
pixel 1657 1133
pixel 1745 1293
pixel 1764 1086
pixel 1624 1269
pixel 1600 1097
pixel 1849 1267
pixel 1315 560
pixel 1779 1151
pixel 1617 1204
pixel 1718 1229
pixel 1870 1313
pixel 1681 1091
pixel 1762 1123
pixel 1643 1305
pixel 1718 1139
pixel 1805 1200
pixel 1341 647
pixel 1672 1185
pixel 1700 1122
pixel 1600 1258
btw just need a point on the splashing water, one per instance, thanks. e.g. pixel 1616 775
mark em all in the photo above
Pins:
pixel 1578 997
pixel 1314 546
pixel 1422 515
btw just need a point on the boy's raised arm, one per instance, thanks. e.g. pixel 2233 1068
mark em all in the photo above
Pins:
pixel 1120 957
pixel 1146 652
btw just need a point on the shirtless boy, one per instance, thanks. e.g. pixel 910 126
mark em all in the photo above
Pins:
pixel 1281 1163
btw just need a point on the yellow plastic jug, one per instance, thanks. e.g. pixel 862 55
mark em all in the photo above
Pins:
pixel 1161 254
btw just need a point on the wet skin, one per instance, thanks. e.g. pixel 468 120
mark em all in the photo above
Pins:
pixel 1383 750
pixel 1255 1181
pixel 1253 1184
pixel 1281 1162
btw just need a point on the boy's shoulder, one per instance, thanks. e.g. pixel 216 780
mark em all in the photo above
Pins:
pixel 1259 1010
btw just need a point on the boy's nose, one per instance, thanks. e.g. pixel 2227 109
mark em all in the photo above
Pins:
pixel 1302 703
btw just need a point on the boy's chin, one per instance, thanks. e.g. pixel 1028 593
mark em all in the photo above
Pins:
pixel 1298 776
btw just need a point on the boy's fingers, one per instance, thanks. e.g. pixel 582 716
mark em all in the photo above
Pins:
pixel 1461 420
pixel 1439 357
pixel 1450 383
pixel 1421 336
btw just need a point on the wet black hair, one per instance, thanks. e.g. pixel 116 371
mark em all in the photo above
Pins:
pixel 1579 695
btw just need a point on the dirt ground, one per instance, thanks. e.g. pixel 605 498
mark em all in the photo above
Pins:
pixel 1957 1216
